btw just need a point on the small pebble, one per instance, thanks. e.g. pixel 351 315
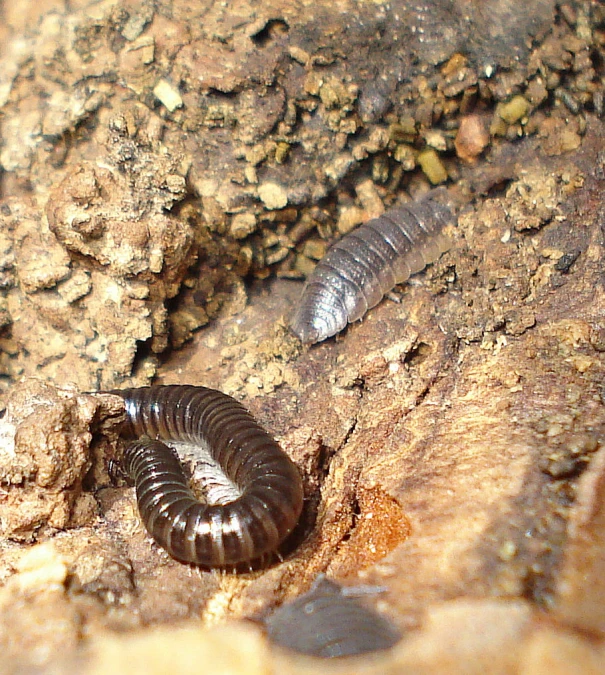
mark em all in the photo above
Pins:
pixel 432 166
pixel 168 95
pixel 273 195
pixel 515 110
pixel 471 139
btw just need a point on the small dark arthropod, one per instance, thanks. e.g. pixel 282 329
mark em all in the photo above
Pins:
pixel 249 509
pixel 365 264
pixel 328 622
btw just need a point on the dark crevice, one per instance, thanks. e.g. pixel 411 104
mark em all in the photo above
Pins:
pixel 419 353
pixel 323 461
pixel 355 513
pixel 274 29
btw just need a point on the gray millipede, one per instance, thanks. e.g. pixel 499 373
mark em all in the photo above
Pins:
pixel 329 623
pixel 264 487
pixel 365 264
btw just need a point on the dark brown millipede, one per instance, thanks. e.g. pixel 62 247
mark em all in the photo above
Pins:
pixel 264 488
pixel 367 263
pixel 327 622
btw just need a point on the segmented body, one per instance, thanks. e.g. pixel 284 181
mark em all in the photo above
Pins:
pixel 265 486
pixel 326 622
pixel 367 263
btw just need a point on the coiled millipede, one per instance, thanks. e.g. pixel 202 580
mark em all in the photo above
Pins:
pixel 365 264
pixel 257 501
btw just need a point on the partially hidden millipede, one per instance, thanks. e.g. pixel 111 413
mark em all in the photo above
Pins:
pixel 329 622
pixel 365 264
pixel 267 486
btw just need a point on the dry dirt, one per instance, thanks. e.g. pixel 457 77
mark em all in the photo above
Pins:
pixel 168 177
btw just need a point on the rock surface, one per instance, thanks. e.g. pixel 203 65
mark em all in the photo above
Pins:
pixel 153 156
